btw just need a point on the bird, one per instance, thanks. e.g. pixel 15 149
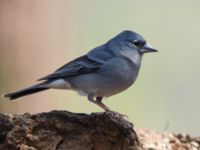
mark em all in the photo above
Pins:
pixel 103 72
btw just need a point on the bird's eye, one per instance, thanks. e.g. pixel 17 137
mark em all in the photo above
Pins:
pixel 136 42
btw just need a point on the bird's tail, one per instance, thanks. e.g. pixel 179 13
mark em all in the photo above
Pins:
pixel 30 90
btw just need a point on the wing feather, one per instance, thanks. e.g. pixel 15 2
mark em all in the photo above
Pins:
pixel 81 65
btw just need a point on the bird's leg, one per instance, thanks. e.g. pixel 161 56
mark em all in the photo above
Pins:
pixel 102 105
pixel 98 102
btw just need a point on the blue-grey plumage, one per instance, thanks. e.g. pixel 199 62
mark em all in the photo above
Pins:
pixel 104 71
pixel 108 80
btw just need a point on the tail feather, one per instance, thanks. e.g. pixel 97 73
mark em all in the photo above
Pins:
pixel 24 92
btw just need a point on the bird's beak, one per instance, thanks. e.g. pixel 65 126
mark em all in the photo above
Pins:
pixel 147 48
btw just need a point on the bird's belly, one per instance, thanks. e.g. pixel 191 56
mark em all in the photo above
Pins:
pixel 114 86
pixel 118 80
pixel 103 85
pixel 113 77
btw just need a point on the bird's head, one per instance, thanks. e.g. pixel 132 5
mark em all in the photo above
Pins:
pixel 134 41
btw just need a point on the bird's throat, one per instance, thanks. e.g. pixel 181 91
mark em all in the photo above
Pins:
pixel 134 57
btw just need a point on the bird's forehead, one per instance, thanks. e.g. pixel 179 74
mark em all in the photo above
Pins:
pixel 130 35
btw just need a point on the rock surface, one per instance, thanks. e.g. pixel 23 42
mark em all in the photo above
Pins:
pixel 62 130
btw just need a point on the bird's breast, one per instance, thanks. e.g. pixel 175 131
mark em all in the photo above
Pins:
pixel 113 77
pixel 117 76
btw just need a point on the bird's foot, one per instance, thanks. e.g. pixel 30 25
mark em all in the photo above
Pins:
pixel 98 101
pixel 124 116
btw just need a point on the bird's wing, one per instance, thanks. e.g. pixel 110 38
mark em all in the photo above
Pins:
pixel 81 65
pixel 101 53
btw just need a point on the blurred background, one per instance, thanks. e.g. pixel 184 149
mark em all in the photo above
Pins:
pixel 37 37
